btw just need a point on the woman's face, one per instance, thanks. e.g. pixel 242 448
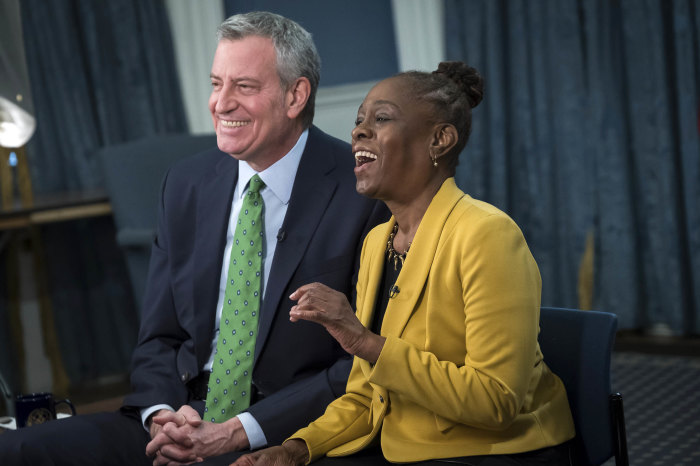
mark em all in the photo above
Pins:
pixel 391 142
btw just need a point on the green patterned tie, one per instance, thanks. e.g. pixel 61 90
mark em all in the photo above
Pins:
pixel 229 383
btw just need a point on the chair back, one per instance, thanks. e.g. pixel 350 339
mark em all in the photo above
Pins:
pixel 577 346
pixel 7 397
pixel 133 173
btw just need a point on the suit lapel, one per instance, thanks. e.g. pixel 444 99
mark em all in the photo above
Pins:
pixel 311 193
pixel 213 212
pixel 419 260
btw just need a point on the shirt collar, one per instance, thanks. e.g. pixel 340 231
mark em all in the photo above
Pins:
pixel 278 177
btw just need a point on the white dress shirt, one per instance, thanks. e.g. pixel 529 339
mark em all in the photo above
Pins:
pixel 279 181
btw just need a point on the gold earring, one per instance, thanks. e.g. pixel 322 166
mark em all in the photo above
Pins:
pixel 434 159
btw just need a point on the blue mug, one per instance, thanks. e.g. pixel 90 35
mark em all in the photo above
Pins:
pixel 37 408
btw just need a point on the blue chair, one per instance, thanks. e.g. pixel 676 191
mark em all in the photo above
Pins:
pixel 133 173
pixel 577 346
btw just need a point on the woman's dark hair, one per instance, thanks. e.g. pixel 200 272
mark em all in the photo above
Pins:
pixel 453 90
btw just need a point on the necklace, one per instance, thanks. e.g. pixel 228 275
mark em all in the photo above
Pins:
pixel 391 252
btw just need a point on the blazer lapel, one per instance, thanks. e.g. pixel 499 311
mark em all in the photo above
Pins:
pixel 213 212
pixel 311 194
pixel 419 260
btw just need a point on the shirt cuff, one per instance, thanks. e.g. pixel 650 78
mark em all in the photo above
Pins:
pixel 252 429
pixel 148 411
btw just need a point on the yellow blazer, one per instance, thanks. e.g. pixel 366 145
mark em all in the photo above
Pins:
pixel 461 372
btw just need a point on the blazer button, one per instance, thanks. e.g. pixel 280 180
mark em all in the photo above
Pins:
pixel 381 399
pixel 185 377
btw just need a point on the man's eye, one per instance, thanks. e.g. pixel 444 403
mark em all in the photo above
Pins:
pixel 358 121
pixel 247 88
pixel 382 118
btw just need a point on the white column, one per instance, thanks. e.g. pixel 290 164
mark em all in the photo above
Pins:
pixel 420 33
pixel 37 365
pixel 193 26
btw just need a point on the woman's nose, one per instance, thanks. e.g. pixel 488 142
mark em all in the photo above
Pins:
pixel 360 131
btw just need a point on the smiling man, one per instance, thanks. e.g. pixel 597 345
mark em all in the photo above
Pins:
pixel 219 367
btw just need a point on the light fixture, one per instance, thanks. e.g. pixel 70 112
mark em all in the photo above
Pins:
pixel 16 128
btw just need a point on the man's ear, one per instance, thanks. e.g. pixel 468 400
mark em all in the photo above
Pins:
pixel 445 137
pixel 296 97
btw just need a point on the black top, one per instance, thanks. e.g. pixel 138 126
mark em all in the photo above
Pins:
pixel 389 276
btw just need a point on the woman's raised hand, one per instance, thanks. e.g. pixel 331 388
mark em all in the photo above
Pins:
pixel 318 303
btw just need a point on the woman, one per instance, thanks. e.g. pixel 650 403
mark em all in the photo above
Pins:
pixel 447 363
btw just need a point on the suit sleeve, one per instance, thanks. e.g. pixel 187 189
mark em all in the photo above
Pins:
pixel 501 298
pixel 154 375
pixel 299 403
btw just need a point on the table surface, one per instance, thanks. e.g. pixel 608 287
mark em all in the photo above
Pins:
pixel 55 207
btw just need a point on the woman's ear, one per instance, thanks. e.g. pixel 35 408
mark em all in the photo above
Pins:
pixel 445 137
pixel 296 97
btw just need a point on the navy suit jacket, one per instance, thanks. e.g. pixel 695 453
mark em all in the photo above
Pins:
pixel 299 368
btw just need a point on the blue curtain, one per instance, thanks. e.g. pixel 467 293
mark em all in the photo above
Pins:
pixel 101 73
pixel 589 129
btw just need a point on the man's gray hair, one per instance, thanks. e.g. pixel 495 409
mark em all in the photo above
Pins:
pixel 296 53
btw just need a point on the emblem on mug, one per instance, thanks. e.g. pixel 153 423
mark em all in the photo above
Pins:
pixel 39 416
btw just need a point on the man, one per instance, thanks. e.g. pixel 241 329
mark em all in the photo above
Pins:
pixel 264 78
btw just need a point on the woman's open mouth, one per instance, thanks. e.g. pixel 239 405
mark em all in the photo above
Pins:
pixel 362 157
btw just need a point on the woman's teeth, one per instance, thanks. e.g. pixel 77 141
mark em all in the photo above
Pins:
pixel 362 156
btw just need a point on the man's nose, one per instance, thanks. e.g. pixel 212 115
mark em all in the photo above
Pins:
pixel 226 100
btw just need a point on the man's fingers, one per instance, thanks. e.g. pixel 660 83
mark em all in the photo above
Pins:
pixel 160 460
pixel 190 415
pixel 157 443
pixel 179 435
pixel 179 455
pixel 164 417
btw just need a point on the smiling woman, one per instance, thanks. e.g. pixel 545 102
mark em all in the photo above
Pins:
pixel 403 140
pixel 447 363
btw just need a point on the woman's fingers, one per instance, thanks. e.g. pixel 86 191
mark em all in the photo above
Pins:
pixel 297 313
pixel 301 291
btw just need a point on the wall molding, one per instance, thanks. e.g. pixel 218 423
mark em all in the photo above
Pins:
pixel 336 107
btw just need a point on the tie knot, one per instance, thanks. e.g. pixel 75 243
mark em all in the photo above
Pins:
pixel 256 184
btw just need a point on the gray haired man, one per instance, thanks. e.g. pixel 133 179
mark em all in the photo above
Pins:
pixel 272 376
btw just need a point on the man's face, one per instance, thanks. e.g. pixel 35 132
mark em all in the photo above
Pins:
pixel 249 108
